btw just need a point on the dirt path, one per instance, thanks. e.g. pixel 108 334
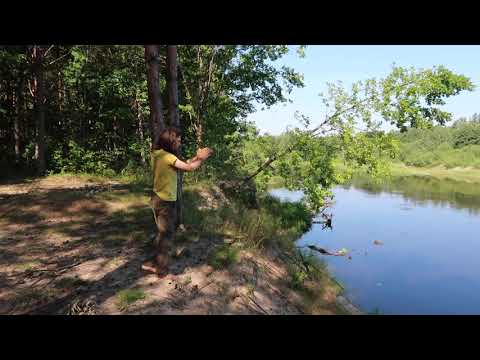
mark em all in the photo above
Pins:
pixel 72 246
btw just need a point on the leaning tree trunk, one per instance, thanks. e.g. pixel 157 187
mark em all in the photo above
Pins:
pixel 152 60
pixel 172 72
pixel 39 101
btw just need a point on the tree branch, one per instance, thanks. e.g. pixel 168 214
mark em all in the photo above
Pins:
pixel 310 132
pixel 54 61
pixel 184 81
pixel 30 89
pixel 206 87
pixel 48 50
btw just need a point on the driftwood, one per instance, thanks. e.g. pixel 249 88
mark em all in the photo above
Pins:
pixel 323 251
pixel 326 222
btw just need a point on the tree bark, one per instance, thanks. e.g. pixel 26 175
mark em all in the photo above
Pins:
pixel 140 129
pixel 39 101
pixel 18 120
pixel 152 60
pixel 172 82
pixel 60 91
pixel 203 94
pixel 172 76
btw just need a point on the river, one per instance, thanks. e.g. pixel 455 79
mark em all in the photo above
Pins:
pixel 429 260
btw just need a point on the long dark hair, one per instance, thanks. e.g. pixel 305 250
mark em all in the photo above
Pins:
pixel 166 140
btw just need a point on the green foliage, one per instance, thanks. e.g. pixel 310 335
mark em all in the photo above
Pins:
pixel 272 221
pixel 240 77
pixel 406 97
pixel 303 267
pixel 224 257
pixel 298 278
pixel 97 106
pixel 77 159
pixel 289 214
pixel 98 114
pixel 427 139
pixel 127 297
pixel 467 134
pixel 454 146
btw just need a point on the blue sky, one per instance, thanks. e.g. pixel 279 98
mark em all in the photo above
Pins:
pixel 350 63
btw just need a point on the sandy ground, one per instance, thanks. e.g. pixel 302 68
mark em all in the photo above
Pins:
pixel 71 246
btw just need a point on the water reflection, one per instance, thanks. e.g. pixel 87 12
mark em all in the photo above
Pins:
pixel 421 191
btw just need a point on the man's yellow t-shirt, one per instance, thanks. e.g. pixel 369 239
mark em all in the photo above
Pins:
pixel 164 175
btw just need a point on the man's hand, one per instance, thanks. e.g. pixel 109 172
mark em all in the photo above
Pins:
pixel 195 162
pixel 204 153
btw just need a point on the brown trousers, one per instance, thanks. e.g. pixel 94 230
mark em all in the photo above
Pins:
pixel 164 212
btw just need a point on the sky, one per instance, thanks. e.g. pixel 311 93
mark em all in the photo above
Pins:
pixel 350 63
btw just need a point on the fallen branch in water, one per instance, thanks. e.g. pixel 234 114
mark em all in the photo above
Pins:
pixel 341 252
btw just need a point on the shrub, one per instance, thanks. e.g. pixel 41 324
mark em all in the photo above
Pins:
pixel 467 134
pixel 224 257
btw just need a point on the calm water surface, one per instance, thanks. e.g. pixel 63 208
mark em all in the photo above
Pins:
pixel 429 262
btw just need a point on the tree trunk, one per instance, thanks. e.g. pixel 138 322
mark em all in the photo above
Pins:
pixel 18 120
pixel 39 101
pixel 152 60
pixel 60 91
pixel 172 86
pixel 172 75
pixel 140 129
pixel 9 90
